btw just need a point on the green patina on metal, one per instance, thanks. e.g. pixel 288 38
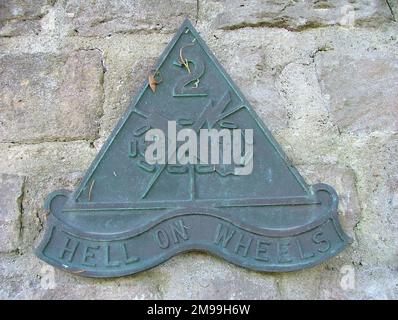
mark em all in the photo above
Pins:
pixel 128 215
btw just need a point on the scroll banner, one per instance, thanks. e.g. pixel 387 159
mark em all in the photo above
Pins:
pixel 101 257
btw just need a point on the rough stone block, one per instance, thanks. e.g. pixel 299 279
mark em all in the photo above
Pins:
pixel 377 180
pixel 349 282
pixel 128 76
pixel 26 277
pixel 82 289
pixel 298 15
pixel 22 17
pixel 106 17
pixel 201 276
pixel 362 92
pixel 11 191
pixel 50 97
pixel 46 159
pixel 19 275
pixel 296 285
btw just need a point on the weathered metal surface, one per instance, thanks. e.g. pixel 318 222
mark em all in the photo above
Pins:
pixel 127 215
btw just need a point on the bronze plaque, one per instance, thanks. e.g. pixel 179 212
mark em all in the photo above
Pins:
pixel 132 212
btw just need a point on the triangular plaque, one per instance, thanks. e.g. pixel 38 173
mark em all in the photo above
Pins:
pixel 129 214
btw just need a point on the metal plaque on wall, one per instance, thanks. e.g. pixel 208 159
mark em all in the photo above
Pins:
pixel 131 213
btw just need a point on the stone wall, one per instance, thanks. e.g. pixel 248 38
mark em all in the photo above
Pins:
pixel 323 76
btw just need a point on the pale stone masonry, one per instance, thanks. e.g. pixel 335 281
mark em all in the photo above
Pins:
pixel 297 15
pixel 322 75
pixel 368 108
pixel 11 191
pixel 49 97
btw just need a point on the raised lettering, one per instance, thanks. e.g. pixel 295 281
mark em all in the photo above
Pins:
pixel 283 252
pixel 223 235
pixel 179 230
pixel 70 249
pixel 108 261
pixel 129 259
pixel 303 255
pixel 261 250
pixel 242 245
pixel 189 85
pixel 162 238
pixel 89 253
pixel 317 238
